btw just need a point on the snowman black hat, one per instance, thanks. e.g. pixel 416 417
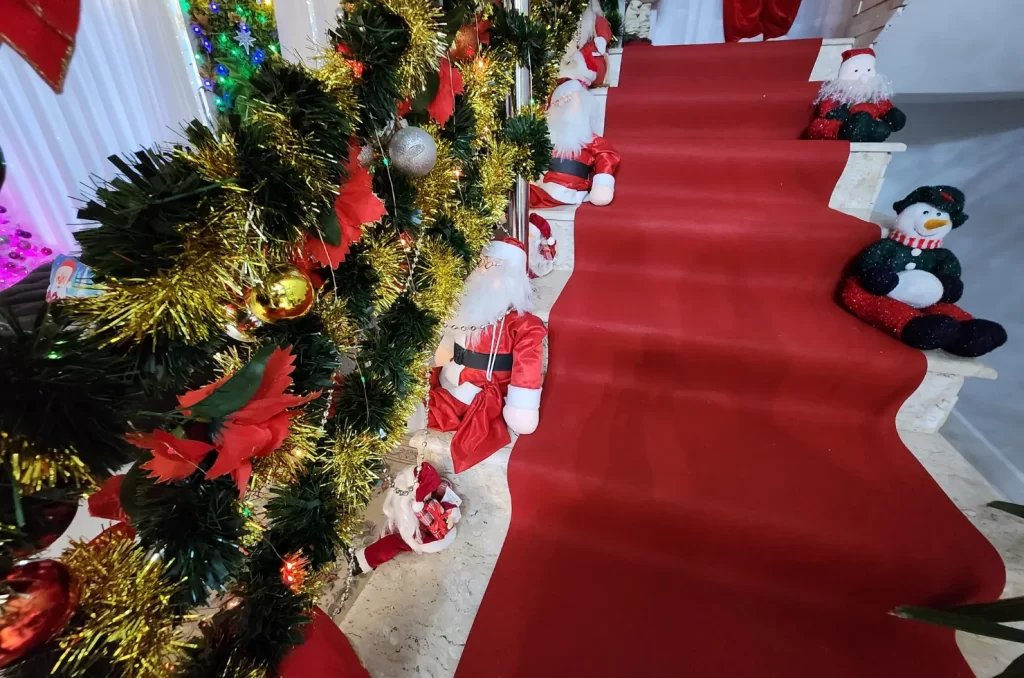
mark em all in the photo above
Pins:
pixel 945 198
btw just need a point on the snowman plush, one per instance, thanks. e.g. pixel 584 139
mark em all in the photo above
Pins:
pixel 856 105
pixel 908 284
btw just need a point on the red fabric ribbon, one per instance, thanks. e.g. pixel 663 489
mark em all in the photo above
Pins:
pixel 43 33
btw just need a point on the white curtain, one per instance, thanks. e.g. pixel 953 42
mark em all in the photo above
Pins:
pixel 132 82
pixel 688 22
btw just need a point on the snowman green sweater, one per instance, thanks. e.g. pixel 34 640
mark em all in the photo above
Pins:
pixel 895 256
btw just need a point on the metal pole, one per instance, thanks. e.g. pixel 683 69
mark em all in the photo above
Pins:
pixel 519 212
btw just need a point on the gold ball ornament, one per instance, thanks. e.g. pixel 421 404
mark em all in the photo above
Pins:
pixel 287 293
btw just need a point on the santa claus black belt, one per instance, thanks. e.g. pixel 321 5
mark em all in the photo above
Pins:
pixel 480 361
pixel 567 166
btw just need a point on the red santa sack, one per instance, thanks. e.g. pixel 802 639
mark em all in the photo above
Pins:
pixel 325 654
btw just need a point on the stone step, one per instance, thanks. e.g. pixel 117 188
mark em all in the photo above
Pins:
pixel 861 182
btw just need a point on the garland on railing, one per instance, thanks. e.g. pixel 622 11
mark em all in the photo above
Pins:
pixel 287 280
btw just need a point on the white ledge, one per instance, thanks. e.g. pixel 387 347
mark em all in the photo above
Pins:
pixel 947 363
pixel 884 147
pixel 831 42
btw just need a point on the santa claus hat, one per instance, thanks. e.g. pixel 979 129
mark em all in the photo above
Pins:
pixel 574 67
pixel 850 53
pixel 509 250
pixel 544 227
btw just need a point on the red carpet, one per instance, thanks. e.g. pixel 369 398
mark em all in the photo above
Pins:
pixel 717 489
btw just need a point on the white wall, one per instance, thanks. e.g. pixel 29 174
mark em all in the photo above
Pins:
pixel 687 22
pixel 979 147
pixel 130 84
pixel 955 46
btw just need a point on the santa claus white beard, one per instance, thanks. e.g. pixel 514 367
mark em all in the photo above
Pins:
pixel 876 88
pixel 402 518
pixel 570 131
pixel 490 293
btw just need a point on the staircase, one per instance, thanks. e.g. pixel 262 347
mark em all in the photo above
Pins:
pixel 412 616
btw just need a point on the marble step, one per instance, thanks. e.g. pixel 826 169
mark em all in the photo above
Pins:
pixel 861 182
pixel 927 409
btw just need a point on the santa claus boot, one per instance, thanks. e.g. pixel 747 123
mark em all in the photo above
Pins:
pixel 862 128
pixel 927 332
pixel 976 337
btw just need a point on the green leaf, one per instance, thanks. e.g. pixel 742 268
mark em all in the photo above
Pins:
pixel 1014 670
pixel 1006 610
pixel 236 391
pixel 330 227
pixel 1008 507
pixel 960 622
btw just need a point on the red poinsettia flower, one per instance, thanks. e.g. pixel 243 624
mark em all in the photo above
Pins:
pixel 173 457
pixel 449 84
pixel 260 426
pixel 356 205
pixel 357 67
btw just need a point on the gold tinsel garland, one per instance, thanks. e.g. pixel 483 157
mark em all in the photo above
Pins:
pixel 35 469
pixel 497 173
pixel 426 41
pixel 386 256
pixel 438 278
pixel 437 191
pixel 338 323
pixel 488 80
pixel 337 72
pixel 126 609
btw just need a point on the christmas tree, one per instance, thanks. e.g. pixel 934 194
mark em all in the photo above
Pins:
pixel 272 292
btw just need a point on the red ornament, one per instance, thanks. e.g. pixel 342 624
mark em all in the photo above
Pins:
pixel 43 33
pixel 42 596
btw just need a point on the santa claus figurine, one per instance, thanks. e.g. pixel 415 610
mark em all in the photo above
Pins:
pixel 489 361
pixel 908 284
pixel 542 247
pixel 595 34
pixel 856 105
pixel 422 511
pixel 583 164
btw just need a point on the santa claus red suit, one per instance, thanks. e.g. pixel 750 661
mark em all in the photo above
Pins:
pixel 583 164
pixel 543 250
pixel 489 364
pixel 856 106
pixel 422 511
pixel 595 35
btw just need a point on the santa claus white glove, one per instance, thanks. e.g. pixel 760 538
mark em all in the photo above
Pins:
pixel 602 189
pixel 454 516
pixel 601 44
pixel 919 289
pixel 520 419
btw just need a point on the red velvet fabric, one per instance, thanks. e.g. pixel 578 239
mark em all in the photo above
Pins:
pixel 751 18
pixel 43 33
pixel 325 654
pixel 717 488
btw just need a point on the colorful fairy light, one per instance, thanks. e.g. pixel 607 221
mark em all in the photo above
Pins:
pixel 19 254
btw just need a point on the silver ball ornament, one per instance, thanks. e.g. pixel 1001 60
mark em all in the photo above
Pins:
pixel 413 151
